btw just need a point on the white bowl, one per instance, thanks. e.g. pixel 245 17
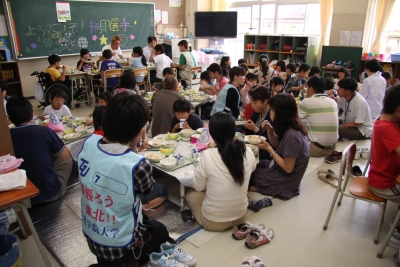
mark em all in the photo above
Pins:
pixel 168 163
pixel 81 129
pixel 169 144
pixel 155 143
pixel 186 132
pixel 154 156
pixel 197 136
pixel 159 137
pixel 254 139
pixel 82 119
pixel 46 121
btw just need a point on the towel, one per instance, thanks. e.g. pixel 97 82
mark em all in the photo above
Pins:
pixel 13 180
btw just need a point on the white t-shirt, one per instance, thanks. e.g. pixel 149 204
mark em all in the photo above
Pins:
pixel 147 52
pixel 373 90
pixel 62 112
pixel 357 111
pixel 161 61
pixel 225 200
pixel 117 51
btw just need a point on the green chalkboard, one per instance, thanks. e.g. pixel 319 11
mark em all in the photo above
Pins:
pixel 37 32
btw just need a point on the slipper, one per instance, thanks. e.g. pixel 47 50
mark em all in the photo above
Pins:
pixel 247 262
pixel 328 179
pixel 326 171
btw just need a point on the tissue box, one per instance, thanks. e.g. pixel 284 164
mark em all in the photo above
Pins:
pixel 195 153
pixel 5 55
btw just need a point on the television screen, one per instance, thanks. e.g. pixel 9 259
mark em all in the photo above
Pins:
pixel 221 24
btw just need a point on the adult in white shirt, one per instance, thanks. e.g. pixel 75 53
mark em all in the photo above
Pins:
pixel 152 41
pixel 115 49
pixel 161 61
pixel 219 198
pixel 354 110
pixel 373 88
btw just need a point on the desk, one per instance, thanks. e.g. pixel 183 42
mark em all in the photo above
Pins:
pixel 20 198
pixel 183 148
pixel 74 77
pixel 333 71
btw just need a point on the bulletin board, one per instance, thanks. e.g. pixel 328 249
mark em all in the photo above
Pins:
pixel 36 31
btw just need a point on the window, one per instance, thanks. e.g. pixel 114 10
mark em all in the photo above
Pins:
pixel 392 31
pixel 267 19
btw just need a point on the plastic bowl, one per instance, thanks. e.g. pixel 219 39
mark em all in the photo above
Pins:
pixel 81 129
pixel 186 132
pixel 154 156
pixel 168 163
pixel 169 144
pixel 254 139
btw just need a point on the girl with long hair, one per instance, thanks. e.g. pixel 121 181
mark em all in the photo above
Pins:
pixel 138 61
pixel 226 64
pixel 223 173
pixel 281 176
pixel 264 72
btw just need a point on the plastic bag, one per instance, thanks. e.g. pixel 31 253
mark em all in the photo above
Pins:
pixel 39 94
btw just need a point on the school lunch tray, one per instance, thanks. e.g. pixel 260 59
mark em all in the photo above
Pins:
pixel 158 165
pixel 84 135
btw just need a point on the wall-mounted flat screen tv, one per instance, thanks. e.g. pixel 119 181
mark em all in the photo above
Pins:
pixel 218 24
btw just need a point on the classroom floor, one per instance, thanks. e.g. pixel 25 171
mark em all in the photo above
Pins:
pixel 297 223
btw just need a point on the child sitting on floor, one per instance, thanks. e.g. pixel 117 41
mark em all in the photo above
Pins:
pixel 167 72
pixel 109 64
pixel 128 84
pixel 181 109
pixel 57 97
pixel 205 80
pixel 97 118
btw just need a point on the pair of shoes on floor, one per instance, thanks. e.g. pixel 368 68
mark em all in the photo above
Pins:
pixel 328 176
pixel 334 157
pixel 362 152
pixel 171 256
pixel 252 261
pixel 255 234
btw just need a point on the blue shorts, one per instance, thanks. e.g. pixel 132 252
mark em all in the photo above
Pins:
pixel 158 190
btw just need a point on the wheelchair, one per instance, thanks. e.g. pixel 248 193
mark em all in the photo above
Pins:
pixel 48 85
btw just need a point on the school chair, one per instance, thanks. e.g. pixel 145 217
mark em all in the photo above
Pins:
pixel 145 73
pixel 112 73
pixel 358 188
pixel 195 73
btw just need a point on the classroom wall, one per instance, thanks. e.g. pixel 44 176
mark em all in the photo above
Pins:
pixel 347 16
pixel 26 67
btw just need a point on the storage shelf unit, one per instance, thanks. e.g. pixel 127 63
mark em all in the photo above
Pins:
pixel 9 73
pixel 308 57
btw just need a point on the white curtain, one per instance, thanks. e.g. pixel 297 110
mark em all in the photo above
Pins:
pixel 383 10
pixel 326 9
pixel 219 5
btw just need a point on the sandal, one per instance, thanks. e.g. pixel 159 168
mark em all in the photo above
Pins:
pixel 240 231
pixel 246 262
pixel 326 171
pixel 328 179
pixel 257 262
pixel 259 237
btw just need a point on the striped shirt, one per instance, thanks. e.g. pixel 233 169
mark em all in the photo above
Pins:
pixel 320 116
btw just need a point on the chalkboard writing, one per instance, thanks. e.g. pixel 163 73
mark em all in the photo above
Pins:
pixel 37 33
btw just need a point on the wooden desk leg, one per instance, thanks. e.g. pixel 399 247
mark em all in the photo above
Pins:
pixel 182 192
pixel 34 233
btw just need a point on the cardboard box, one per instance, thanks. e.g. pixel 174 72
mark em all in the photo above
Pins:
pixel 5 55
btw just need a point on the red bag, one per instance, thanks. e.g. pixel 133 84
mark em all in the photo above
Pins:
pixel 262 46
pixel 286 47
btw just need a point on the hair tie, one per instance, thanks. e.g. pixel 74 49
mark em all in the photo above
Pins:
pixel 264 59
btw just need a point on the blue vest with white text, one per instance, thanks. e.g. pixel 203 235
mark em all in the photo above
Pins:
pixel 111 211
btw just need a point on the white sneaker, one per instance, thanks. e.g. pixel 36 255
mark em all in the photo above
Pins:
pixel 163 260
pixel 178 253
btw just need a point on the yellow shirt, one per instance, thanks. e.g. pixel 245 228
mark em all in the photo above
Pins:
pixel 54 73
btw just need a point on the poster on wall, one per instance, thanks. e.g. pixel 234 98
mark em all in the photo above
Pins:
pixel 175 3
pixel 63 11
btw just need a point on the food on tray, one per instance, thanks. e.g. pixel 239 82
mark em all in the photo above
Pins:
pixel 167 151
pixel 155 143
pixel 154 155
pixel 72 136
pixel 68 131
pixel 81 129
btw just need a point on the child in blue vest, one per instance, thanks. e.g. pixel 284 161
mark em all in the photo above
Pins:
pixel 113 178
